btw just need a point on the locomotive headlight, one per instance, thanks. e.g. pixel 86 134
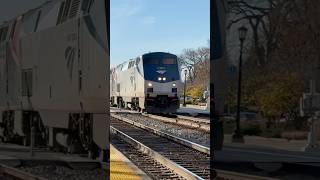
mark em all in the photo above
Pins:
pixel 149 84
pixel 159 78
pixel 164 78
pixel 174 84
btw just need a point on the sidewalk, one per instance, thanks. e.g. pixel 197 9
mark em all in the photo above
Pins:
pixel 193 109
pixel 273 143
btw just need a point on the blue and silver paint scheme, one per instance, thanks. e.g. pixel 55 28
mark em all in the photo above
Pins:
pixel 154 82
pixel 59 53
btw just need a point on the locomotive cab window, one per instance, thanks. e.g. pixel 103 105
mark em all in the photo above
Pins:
pixel 169 61
pixel 151 61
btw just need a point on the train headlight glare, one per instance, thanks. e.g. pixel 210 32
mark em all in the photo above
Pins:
pixel 164 78
pixel 149 84
pixel 174 84
pixel 159 78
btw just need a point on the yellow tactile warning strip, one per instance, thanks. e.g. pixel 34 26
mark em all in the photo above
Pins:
pixel 121 168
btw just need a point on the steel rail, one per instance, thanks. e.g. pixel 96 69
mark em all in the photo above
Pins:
pixel 201 124
pixel 155 155
pixel 17 174
pixel 185 142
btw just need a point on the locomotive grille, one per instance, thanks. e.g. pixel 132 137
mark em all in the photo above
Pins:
pixel 74 8
pixel 162 100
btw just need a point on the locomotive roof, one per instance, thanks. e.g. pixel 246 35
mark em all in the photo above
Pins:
pixel 158 54
pixel 154 54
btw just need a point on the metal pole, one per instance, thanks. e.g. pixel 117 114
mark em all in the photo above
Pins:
pixel 185 86
pixel 237 136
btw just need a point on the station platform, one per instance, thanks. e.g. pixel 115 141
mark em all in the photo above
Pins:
pixel 121 168
pixel 193 110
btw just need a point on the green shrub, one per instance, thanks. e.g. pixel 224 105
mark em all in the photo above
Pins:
pixel 252 130
pixel 272 133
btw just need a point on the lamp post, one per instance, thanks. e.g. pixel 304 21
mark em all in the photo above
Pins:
pixel 185 87
pixel 237 135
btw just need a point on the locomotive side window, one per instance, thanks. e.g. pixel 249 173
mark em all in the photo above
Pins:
pixel 27 82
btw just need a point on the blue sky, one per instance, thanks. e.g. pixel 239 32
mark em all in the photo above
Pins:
pixel 141 26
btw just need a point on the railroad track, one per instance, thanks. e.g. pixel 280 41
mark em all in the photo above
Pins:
pixel 200 124
pixel 169 126
pixel 145 147
pixel 52 170
pixel 189 122
pixel 184 161
pixel 17 164
pixel 9 173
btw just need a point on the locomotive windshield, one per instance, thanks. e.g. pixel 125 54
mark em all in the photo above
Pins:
pixel 162 66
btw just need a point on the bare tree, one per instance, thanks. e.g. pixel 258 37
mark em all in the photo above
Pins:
pixel 192 60
pixel 265 19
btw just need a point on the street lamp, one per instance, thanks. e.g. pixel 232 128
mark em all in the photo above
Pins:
pixel 185 87
pixel 237 135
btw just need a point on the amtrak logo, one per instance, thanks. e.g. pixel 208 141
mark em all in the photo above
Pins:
pixel 69 56
pixel 161 70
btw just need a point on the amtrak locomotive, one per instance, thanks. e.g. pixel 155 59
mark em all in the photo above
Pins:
pixel 53 61
pixel 149 83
